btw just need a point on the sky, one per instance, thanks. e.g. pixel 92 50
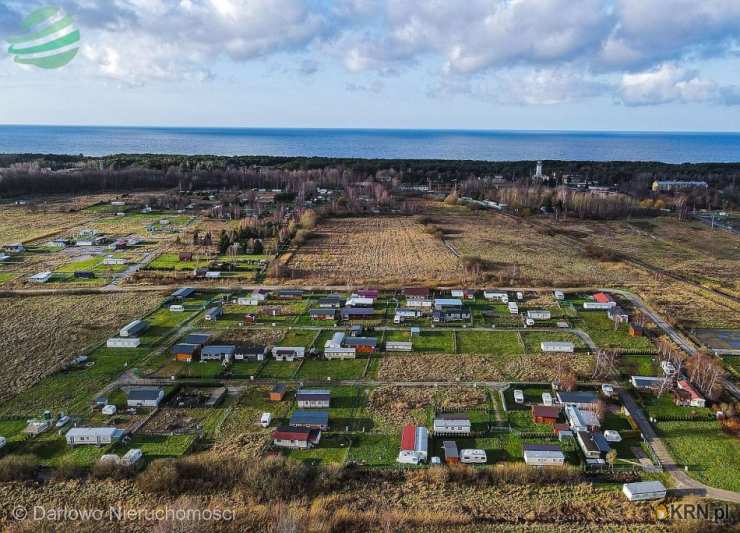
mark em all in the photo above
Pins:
pixel 629 65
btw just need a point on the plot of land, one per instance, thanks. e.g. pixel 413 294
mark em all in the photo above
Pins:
pixel 40 332
pixel 381 250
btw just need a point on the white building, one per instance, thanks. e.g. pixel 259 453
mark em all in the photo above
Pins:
pixel 644 490
pixel 538 314
pixel 41 277
pixel 543 455
pixel 96 436
pixel 123 342
pixel 557 346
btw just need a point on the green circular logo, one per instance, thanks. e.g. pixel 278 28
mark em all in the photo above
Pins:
pixel 51 40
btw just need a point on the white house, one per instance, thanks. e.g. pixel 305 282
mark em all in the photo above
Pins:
pixel 538 314
pixel 490 294
pixel 513 308
pixel 557 346
pixel 112 261
pixel 452 423
pixel 598 306
pixel 144 397
pixel 423 303
pixel 123 342
pixel 644 490
pixel 96 436
pixel 543 454
pixel 441 303
pixel 360 301
pixel 288 353
pixel 41 277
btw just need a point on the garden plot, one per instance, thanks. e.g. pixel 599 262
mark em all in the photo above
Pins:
pixel 426 341
pixel 488 342
pixel 391 407
pixel 382 250
pixel 40 332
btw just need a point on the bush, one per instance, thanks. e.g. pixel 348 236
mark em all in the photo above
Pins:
pixel 161 477
pixel 111 470
pixel 17 467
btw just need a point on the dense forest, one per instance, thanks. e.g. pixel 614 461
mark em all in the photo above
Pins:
pixel 33 173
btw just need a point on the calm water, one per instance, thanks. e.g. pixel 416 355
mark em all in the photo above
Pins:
pixel 390 144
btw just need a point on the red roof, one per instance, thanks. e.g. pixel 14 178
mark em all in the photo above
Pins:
pixel 603 298
pixel 367 293
pixel 408 437
pixel 291 433
pixel 546 411
pixel 685 385
pixel 422 292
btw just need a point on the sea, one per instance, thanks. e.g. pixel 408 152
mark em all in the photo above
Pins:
pixel 494 145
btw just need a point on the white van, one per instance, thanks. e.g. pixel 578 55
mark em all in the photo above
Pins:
pixel 177 308
pixel 520 296
pixel 470 456
pixel 408 457
pixel 518 396
pixel 265 419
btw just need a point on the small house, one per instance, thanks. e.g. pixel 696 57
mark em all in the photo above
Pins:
pixel 95 436
pixel 647 382
pixel 182 294
pixel 452 454
pixel 416 293
pixel 144 396
pixel 250 353
pixel 415 439
pixel 278 392
pixel 14 248
pixel 296 437
pixel 361 344
pixel 694 398
pixel 323 314
pixel 398 346
pixel 593 445
pixel 581 399
pixel 559 295
pixel 494 295
pixel 134 329
pixel 513 308
pixel 538 314
pixel 310 419
pixel 543 454
pixel 340 353
pixel 313 398
pixel 451 314
pixel 452 424
pixel 581 420
pixel 357 313
pixel 41 277
pixel 199 337
pixel 368 293
pixel 546 414
pixel 123 342
pixel 597 306
pixel 644 490
pixel 288 353
pixel 465 294
pixel 333 301
pixel 557 346
pixel 441 303
pixel 217 352
pixel 84 274
pixel 403 313
pixel 359 301
pixel 131 457
pixel 36 427
pixel 113 261
pixel 214 313
pixel 185 352
pixel 603 298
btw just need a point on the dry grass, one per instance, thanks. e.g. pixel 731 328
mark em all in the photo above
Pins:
pixel 456 367
pixel 395 406
pixel 378 250
pixel 40 332
pixel 26 224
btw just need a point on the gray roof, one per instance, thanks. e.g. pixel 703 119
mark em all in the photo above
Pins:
pixel 313 394
pixel 358 311
pixel 577 397
pixel 144 393
pixel 313 418
pixel 184 347
pixel 450 448
pixel 452 416
pixel 360 341
pixel 197 338
pixel 250 350
pixel 217 349
pixel 328 311
pixel 541 448
pixel 183 293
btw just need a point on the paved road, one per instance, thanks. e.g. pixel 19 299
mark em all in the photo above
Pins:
pixel 684 483
pixel 130 271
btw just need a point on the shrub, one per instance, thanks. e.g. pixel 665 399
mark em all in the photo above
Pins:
pixel 17 468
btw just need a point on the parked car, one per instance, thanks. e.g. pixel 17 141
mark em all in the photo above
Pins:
pixel 62 421
pixel 518 396
pixel 265 419
pixel 408 457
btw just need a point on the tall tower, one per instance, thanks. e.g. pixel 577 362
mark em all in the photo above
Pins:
pixel 538 172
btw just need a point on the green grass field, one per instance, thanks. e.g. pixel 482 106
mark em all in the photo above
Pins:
pixel 331 450
pixel 601 329
pixel 711 454
pixel 663 406
pixel 314 369
pixel 427 341
pixel 158 446
pixel 374 449
pixel 488 342
pixel 533 339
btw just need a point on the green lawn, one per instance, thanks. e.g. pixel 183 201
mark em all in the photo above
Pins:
pixel 331 450
pixel 374 449
pixel 533 339
pixel 158 446
pixel 426 341
pixel 638 365
pixel 711 454
pixel 601 329
pixel 488 342
pixel 663 406
pixel 278 370
pixel 299 337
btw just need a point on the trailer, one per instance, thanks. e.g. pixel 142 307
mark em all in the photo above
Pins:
pixel 644 490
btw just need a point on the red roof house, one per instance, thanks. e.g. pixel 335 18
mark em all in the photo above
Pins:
pixel 546 414
pixel 603 298
pixel 416 292
pixel 408 437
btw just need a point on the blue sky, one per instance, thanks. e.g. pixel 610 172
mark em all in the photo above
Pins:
pixel 468 64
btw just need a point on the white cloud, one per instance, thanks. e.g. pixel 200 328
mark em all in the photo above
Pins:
pixel 666 84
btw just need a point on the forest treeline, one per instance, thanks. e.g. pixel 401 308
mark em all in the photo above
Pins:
pixel 33 173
